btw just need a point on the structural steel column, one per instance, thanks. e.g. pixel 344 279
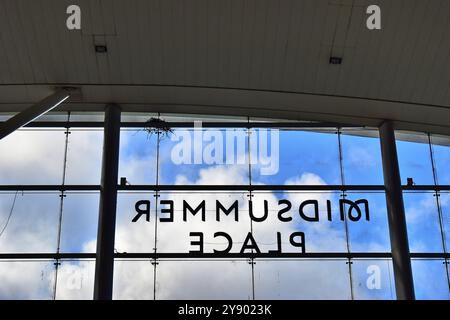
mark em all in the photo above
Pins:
pixel 396 214
pixel 104 266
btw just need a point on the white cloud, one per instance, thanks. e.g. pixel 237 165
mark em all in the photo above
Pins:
pixel 134 280
pixel 361 157
pixel 184 280
pixel 26 280
pixel 84 157
pixel 32 157
pixel 187 280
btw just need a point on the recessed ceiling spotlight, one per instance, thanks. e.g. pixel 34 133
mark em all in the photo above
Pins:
pixel 101 49
pixel 335 60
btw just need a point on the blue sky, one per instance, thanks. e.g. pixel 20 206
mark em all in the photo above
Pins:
pixel 318 153
pixel 305 157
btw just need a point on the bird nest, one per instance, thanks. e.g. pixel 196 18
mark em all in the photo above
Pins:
pixel 155 126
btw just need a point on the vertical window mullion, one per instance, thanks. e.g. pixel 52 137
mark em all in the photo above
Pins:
pixel 61 206
pixel 249 159
pixel 439 207
pixel 343 196
pixel 156 195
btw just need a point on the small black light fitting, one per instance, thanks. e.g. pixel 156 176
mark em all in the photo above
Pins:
pixel 101 49
pixel 335 60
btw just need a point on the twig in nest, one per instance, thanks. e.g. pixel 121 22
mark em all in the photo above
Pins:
pixel 155 126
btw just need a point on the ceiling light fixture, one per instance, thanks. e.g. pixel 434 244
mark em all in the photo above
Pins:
pixel 335 60
pixel 101 49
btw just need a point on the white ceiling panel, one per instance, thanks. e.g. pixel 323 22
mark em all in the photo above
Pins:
pixel 275 48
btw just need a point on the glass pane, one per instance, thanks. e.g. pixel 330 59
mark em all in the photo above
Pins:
pixel 137 116
pixel 319 236
pixel 204 156
pixel 5 116
pixel 136 236
pixel 300 157
pixel 266 119
pixel 133 280
pixel 445 205
pixel 33 222
pixel 26 280
pixel 302 279
pixel 422 220
pixel 415 162
pixel 137 161
pixel 174 117
pixel 32 156
pixel 442 162
pixel 361 160
pixel 181 243
pixel 80 221
pixel 87 116
pixel 430 279
pixel 76 280
pixel 210 280
pixel 372 235
pixel 84 156
pixel 373 279
pixel 53 116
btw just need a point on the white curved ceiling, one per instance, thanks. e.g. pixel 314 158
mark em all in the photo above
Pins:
pixel 264 58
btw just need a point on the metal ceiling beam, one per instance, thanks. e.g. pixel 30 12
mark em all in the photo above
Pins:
pixel 35 111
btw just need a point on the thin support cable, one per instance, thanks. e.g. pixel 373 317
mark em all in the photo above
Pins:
pixel 10 213
pixel 61 205
pixel 343 195
pixel 252 260
pixel 437 196
pixel 155 261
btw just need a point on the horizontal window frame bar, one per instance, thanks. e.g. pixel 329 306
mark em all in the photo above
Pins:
pixel 426 188
pixel 250 188
pixel 190 124
pixel 221 188
pixel 52 187
pixel 177 255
